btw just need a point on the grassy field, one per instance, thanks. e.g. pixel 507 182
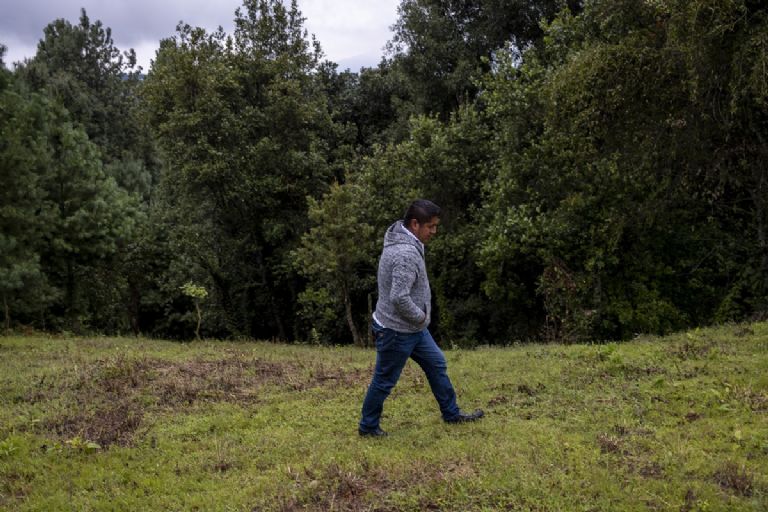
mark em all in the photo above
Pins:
pixel 677 423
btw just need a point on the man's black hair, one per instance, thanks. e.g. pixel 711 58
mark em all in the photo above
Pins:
pixel 423 210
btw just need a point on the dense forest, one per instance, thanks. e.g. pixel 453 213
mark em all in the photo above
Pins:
pixel 602 166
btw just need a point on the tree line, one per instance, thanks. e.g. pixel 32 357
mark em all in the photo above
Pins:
pixel 601 166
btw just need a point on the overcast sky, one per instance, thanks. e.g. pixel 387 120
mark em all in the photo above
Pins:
pixel 352 33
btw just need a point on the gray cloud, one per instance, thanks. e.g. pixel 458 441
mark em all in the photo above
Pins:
pixel 351 31
pixel 133 20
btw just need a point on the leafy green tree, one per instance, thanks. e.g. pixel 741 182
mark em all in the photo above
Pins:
pixel 726 48
pixel 446 162
pixel 442 46
pixel 374 103
pixel 609 215
pixel 456 159
pixel 449 164
pixel 198 294
pixel 242 122
pixel 337 255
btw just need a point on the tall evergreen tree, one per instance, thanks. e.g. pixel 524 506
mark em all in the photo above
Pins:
pixel 79 67
pixel 24 216
pixel 92 215
pixel 3 71
pixel 61 213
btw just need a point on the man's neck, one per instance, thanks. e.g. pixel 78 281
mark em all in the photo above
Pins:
pixel 413 235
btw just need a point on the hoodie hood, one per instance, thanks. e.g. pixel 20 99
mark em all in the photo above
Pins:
pixel 398 234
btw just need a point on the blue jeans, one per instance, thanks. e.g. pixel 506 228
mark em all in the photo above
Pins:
pixel 392 352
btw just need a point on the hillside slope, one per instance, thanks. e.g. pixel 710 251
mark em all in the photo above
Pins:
pixel 674 423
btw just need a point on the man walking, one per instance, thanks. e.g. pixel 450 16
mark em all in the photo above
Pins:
pixel 401 319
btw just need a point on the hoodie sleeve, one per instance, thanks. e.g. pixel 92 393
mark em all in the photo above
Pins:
pixel 404 273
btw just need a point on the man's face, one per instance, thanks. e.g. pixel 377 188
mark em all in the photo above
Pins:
pixel 425 231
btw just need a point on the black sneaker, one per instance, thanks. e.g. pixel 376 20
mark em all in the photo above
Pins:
pixel 464 417
pixel 373 433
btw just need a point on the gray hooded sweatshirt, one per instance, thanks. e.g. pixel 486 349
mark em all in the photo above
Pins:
pixel 404 295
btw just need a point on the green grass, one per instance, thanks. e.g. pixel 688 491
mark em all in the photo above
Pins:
pixel 676 423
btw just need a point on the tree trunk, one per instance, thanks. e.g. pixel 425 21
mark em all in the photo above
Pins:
pixel 356 338
pixel 133 308
pixel 758 199
pixel 370 338
pixel 7 311
pixel 760 182
pixel 71 294
pixel 222 287
pixel 281 332
pixel 273 309
pixel 199 319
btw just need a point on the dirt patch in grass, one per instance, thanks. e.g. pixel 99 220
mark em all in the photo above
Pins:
pixel 172 383
pixel 106 424
pixel 735 478
pixel 498 400
pixel 238 380
pixel 227 380
pixel 651 470
pixel 365 488
pixel 609 443
pixel 107 398
pixel 757 401
pixel 692 416
pixel 689 501
pixel 336 488
pixel 525 389
pixel 622 443
pixel 15 486
pixel 691 349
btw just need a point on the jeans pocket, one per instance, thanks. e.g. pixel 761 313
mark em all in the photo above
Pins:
pixel 384 339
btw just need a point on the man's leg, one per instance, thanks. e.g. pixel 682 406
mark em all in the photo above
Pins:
pixel 392 353
pixel 432 360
